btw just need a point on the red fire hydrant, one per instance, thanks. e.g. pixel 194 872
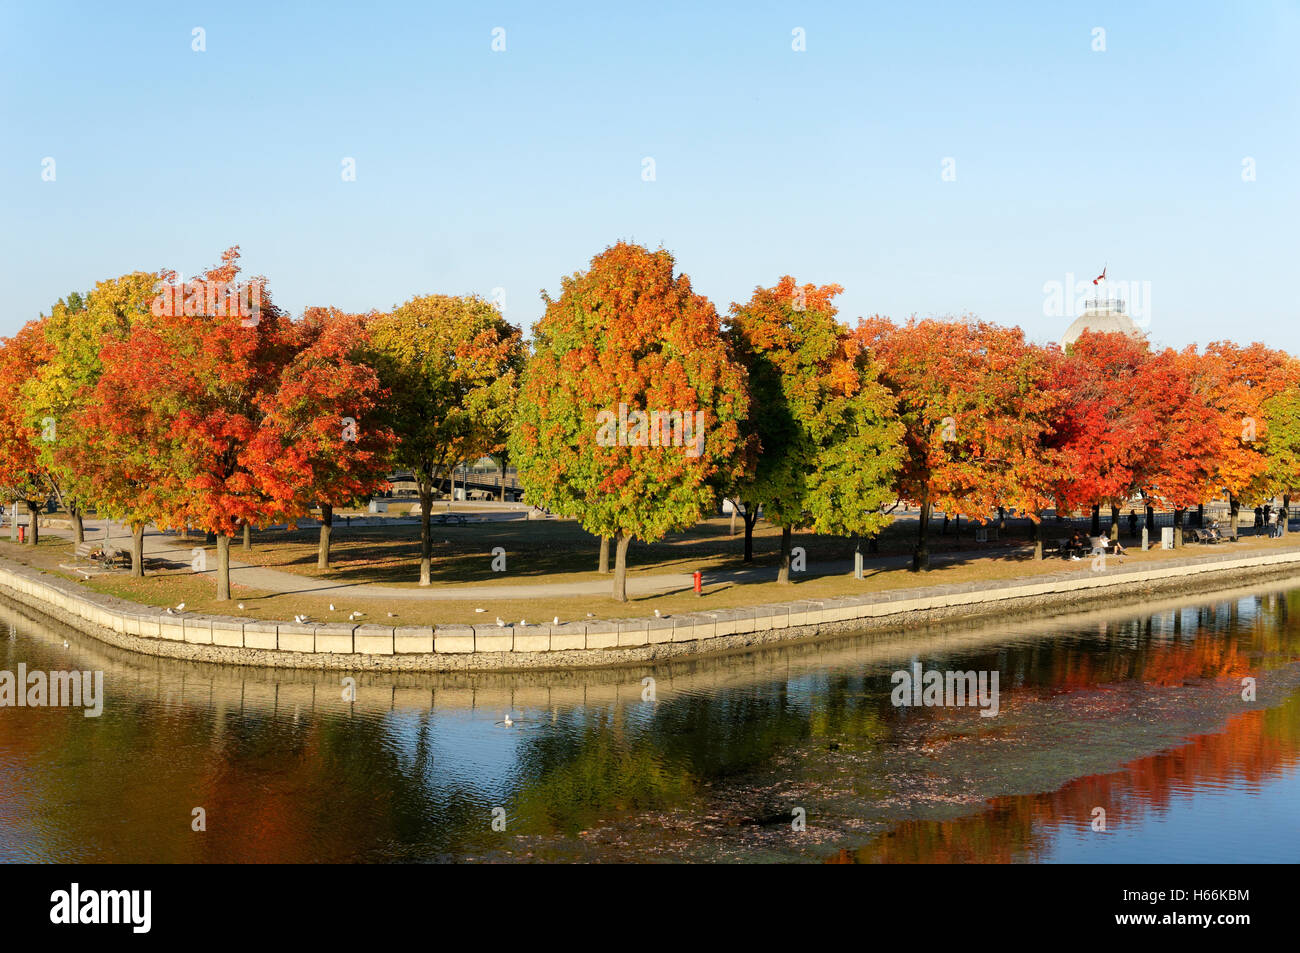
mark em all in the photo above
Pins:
pixel 699 583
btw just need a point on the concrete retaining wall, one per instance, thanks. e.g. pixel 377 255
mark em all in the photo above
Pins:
pixel 573 644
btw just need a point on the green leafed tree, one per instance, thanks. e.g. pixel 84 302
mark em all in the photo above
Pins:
pixel 1281 445
pixel 829 441
pixel 451 366
pixel 75 332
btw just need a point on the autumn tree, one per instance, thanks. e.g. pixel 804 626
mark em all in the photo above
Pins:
pixel 178 406
pixel 631 402
pixel 25 476
pixel 320 439
pixel 1182 470
pixel 1110 433
pixel 1236 383
pixel 978 404
pixel 451 365
pixel 827 442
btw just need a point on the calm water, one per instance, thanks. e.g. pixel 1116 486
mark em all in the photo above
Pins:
pixel 1137 712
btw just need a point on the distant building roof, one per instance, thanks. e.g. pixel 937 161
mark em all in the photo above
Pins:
pixel 1102 315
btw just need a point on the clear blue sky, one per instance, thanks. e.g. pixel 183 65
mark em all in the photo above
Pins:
pixel 479 169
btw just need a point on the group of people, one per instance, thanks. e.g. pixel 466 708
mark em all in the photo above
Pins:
pixel 1079 544
pixel 1266 516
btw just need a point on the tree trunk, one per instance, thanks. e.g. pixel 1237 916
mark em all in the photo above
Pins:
pixel 1234 513
pixel 1096 521
pixel 750 516
pixel 426 530
pixel 921 556
pixel 78 524
pixel 1150 521
pixel 783 574
pixel 326 524
pixel 620 565
pixel 1114 522
pixel 248 537
pixel 33 527
pixel 1178 527
pixel 137 550
pixel 734 507
pixel 603 567
pixel 223 568
pixel 1286 513
pixel 1040 530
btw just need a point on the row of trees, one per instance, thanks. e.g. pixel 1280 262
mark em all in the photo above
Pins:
pixel 636 408
pixel 828 427
pixel 202 416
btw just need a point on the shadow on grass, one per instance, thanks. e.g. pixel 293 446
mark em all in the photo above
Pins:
pixel 463 554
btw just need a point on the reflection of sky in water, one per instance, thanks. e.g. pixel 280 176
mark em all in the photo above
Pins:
pixel 463 746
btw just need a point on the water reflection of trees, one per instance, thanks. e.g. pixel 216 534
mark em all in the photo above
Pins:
pixel 1253 748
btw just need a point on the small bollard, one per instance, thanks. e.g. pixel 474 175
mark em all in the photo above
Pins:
pixel 1146 541
pixel 857 564
pixel 699 583
pixel 22 534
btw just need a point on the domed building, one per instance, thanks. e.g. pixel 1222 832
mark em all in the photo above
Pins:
pixel 1103 315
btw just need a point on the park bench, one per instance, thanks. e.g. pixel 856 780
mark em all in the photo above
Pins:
pixel 443 519
pixel 1204 536
pixel 105 558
